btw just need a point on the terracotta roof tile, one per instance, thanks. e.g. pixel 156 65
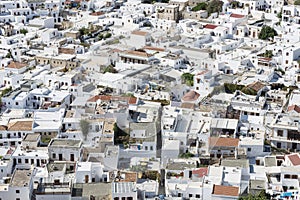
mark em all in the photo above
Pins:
pixel 256 86
pixel 225 190
pixel 237 16
pixel 138 53
pixel 210 26
pixel 97 13
pixel 154 48
pixel 20 126
pixel 191 96
pixel 203 72
pixel 294 107
pixel 295 160
pixel 16 65
pixel 141 33
pixel 3 128
pixel 200 172
pixel 223 142
pixel 130 100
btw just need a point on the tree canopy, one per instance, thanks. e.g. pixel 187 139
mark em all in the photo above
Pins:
pixel 200 6
pixel 23 31
pixel 110 69
pixel 266 33
pixel 260 196
pixel 214 6
pixel 188 79
pixel 84 125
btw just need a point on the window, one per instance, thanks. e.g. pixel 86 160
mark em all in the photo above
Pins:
pixel 197 195
pixel 53 155
pixel 287 176
pixel 294 177
pixel 249 149
pixel 280 133
pixel 190 195
pixel 26 160
pixel 19 160
pixel 17 191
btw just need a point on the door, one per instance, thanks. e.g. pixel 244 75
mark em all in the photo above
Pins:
pixel 60 157
pixel 294 145
pixel 278 145
pixel 72 157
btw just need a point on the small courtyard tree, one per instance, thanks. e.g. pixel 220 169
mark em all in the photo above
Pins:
pixel 84 125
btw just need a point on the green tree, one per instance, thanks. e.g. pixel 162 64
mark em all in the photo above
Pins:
pixel 279 15
pixel 261 196
pixel 188 79
pixel 214 6
pixel 186 155
pixel 266 33
pixel 235 4
pixel 120 136
pixel 110 69
pixel 268 54
pixel 297 2
pixel 6 91
pixel 84 31
pixel 8 55
pixel 23 31
pixel 84 125
pixel 200 6
pixel 107 35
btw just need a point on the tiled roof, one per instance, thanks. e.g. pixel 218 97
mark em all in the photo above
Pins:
pixel 295 160
pixel 138 53
pixel 154 48
pixel 237 16
pixel 130 100
pixel 294 107
pixel 3 128
pixel 223 142
pixel 97 13
pixel 200 172
pixel 225 190
pixel 210 26
pixel 256 86
pixel 141 33
pixel 191 96
pixel 203 72
pixel 16 65
pixel 20 126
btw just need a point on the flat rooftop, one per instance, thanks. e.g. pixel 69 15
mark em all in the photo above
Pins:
pixel 32 137
pixel 100 190
pixel 123 187
pixel 21 178
pixel 65 143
